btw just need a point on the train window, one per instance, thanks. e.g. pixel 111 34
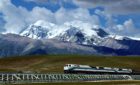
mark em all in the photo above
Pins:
pixel 120 69
pixel 93 67
pixel 101 67
pixel 76 65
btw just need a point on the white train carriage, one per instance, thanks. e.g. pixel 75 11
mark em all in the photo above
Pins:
pixel 74 68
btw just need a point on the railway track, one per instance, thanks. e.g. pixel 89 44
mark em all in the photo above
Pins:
pixel 44 78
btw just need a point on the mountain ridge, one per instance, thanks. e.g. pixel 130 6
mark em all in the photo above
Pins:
pixel 69 38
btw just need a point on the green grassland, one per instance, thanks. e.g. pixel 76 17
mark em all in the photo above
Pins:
pixel 55 63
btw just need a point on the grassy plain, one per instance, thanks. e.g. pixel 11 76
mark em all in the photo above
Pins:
pixel 55 63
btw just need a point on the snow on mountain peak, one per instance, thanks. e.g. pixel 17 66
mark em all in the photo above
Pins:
pixel 40 29
pixel 119 37
pixel 75 31
pixel 43 23
pixel 85 27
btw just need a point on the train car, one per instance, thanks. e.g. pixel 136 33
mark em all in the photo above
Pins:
pixel 78 69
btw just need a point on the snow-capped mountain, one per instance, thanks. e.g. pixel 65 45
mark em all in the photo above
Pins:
pixel 16 45
pixel 75 31
pixel 74 37
pixel 40 29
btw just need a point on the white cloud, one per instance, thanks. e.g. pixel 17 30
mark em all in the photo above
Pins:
pixel 39 13
pixel 1 24
pixel 12 16
pixel 125 29
pixel 112 6
pixel 63 15
pixel 110 22
pixel 17 18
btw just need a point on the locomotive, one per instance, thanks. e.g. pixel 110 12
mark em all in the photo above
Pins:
pixel 86 69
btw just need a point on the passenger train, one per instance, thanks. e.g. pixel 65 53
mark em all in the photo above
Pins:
pixel 77 69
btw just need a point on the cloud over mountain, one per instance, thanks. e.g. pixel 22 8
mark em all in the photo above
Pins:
pixel 120 6
pixel 23 17
pixel 127 29
pixel 14 18
pixel 112 6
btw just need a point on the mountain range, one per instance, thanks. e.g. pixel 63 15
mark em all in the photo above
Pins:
pixel 75 37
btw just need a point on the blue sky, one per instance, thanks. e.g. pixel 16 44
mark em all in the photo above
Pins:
pixel 116 16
